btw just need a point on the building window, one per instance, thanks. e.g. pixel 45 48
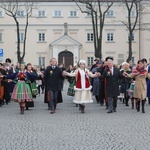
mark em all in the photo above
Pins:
pixel 90 61
pixel 41 37
pixel 41 14
pixel 133 13
pixel 132 37
pixel 110 37
pixel 41 61
pixel 21 37
pixel 110 13
pixel 120 58
pixel 57 13
pixel 90 37
pixel 20 13
pixel 73 13
pixel 1 39
pixel 1 14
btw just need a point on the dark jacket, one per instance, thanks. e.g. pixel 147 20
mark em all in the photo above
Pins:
pixel 52 78
pixel 112 81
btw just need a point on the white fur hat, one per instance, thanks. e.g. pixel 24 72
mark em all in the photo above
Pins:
pixel 82 61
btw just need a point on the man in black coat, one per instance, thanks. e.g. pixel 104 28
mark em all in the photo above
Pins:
pixel 112 75
pixel 52 76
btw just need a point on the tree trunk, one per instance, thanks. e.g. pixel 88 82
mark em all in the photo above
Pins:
pixel 130 48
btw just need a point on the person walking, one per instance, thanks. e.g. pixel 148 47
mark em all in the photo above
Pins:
pixel 52 77
pixel 125 82
pixel 112 75
pixel 21 92
pixel 140 74
pixel 82 87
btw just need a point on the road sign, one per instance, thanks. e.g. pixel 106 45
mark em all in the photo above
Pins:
pixel 1 52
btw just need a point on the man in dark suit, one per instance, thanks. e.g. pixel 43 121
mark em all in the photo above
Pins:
pixel 52 76
pixel 112 75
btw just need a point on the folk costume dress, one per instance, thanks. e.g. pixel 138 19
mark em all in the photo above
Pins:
pixel 22 91
pixel 82 87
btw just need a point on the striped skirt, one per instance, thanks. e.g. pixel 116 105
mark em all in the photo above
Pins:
pixel 21 92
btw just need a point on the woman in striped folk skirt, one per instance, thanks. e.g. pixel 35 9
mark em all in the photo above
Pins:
pixel 21 92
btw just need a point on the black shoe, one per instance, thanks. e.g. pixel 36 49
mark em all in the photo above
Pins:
pixel 101 104
pixel 27 108
pixel 110 112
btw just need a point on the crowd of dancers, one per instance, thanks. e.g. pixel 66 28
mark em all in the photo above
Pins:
pixel 104 80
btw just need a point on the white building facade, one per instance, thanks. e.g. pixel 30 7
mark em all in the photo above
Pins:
pixel 59 30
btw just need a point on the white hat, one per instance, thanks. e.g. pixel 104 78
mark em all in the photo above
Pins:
pixel 82 61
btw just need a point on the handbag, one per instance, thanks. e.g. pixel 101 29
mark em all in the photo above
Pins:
pixel 34 89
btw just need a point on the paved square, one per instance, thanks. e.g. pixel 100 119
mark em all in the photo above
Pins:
pixel 68 129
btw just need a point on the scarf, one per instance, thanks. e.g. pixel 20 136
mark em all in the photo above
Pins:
pixel 142 70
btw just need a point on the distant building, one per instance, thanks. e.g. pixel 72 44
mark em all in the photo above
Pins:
pixel 60 30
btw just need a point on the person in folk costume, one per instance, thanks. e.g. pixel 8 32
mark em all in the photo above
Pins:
pixel 31 77
pixel 82 87
pixel 140 74
pixel 72 81
pixel 96 83
pixel 125 82
pixel 112 75
pixel 8 87
pixel 21 92
pixel 52 76
pixel 2 73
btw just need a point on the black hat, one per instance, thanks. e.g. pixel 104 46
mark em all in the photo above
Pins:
pixel 99 62
pixel 109 57
pixel 8 60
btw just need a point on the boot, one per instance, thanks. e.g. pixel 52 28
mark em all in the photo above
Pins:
pixel 82 109
pixel 106 105
pixel 132 102
pixel 127 100
pixel 143 103
pixel 149 101
pixel 22 110
pixel 138 105
pixel 123 100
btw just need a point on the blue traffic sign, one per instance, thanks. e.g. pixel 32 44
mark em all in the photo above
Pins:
pixel 1 52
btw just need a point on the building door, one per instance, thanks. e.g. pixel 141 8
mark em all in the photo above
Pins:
pixel 66 58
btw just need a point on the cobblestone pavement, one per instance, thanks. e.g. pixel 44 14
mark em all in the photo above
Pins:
pixel 68 129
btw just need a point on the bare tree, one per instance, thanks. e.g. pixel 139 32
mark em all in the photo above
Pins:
pixel 13 9
pixel 133 10
pixel 97 9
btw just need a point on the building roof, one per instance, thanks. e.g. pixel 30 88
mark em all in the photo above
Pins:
pixel 65 37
